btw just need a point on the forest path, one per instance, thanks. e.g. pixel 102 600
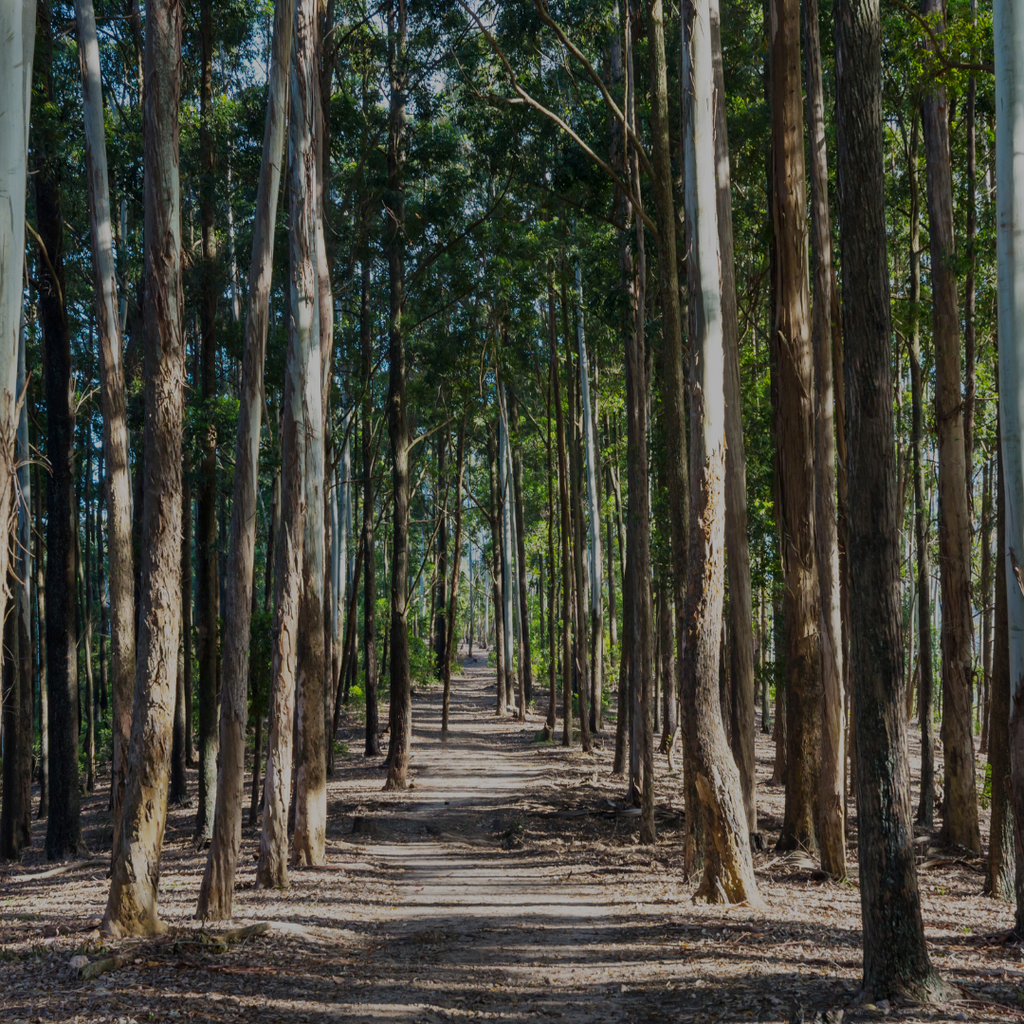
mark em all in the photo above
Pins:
pixel 486 924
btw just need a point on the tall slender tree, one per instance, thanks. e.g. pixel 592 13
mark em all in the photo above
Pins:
pixel 896 959
pixel 960 806
pixel 132 902
pixel 215 894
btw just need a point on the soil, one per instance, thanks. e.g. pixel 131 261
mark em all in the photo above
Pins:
pixel 507 884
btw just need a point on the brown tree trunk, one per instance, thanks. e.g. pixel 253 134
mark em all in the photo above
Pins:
pixel 517 495
pixel 398 420
pixel 960 804
pixel 895 955
pixel 673 375
pixel 216 891
pixel 451 641
pixel 208 584
pixel 925 808
pixel 132 903
pixel 63 829
pixel 496 590
pixel 372 746
pixel 794 432
pixel 831 808
pixel 563 504
pixel 439 624
pixel 112 402
pixel 44 688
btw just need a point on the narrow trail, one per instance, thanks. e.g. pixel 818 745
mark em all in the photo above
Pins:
pixel 485 924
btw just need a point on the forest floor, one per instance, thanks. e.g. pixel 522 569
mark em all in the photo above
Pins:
pixel 502 887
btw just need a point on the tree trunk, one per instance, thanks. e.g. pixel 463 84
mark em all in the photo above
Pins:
pixel 831 816
pixel 728 867
pixel 594 510
pixel 673 375
pixel 496 590
pixel 112 400
pixel 794 431
pixel 216 891
pixel 1001 865
pixel 372 746
pixel 306 247
pixel 208 584
pixel 517 495
pixel 451 641
pixel 563 505
pixel 960 803
pixel 987 519
pixel 580 650
pixel 439 624
pixel 1008 28
pixel 736 541
pixel 44 688
pixel 132 903
pixel 17 41
pixel 895 955
pixel 925 808
pixel 398 420
pixel 63 829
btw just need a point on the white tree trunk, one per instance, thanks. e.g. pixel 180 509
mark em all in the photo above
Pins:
pixel 1008 25
pixel 17 41
pixel 505 491
pixel 308 264
pixel 728 868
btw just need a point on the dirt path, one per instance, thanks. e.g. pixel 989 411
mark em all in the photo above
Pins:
pixel 502 886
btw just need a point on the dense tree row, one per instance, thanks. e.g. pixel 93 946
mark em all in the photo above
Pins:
pixel 607 340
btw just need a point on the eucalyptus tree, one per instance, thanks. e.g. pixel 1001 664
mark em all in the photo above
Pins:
pixel 302 400
pixel 115 427
pixel 896 962
pixel 17 42
pixel 728 867
pixel 132 902
pixel 1008 25
pixel 63 827
pixel 960 806
pixel 216 892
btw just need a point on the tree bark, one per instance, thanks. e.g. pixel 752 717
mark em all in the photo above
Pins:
pixel 208 584
pixel 1008 30
pixel 736 541
pixel 216 891
pixel 112 401
pixel 563 506
pixel 1001 864
pixel 673 375
pixel 398 417
pixel 372 746
pixel 926 806
pixel 63 829
pixel 451 641
pixel 831 804
pixel 895 955
pixel 132 903
pixel 794 432
pixel 520 517
pixel 960 803
pixel 728 867
pixel 306 248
